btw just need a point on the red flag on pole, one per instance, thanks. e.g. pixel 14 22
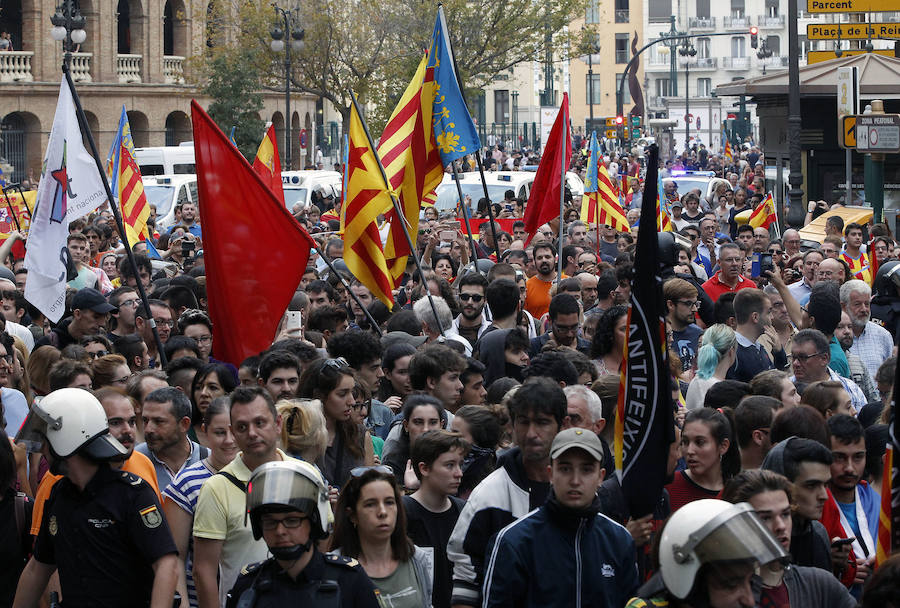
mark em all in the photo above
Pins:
pixel 254 251
pixel 543 202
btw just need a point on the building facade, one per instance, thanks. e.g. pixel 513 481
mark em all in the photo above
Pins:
pixel 137 53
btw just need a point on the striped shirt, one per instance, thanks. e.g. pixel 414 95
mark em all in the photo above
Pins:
pixel 184 491
pixel 873 346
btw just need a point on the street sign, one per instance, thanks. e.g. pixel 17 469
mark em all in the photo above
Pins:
pixel 878 133
pixel 635 134
pixel 612 133
pixel 851 31
pixel 847 91
pixel 847 131
pixel 611 121
pixel 820 56
pixel 303 138
pixel 851 6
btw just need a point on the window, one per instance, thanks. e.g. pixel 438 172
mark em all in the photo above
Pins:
pixel 771 8
pixel 621 48
pixel 804 45
pixel 737 8
pixel 702 46
pixel 592 14
pixel 662 87
pixel 660 10
pixel 622 11
pixel 626 94
pixel 738 46
pixel 774 44
pixel 592 89
pixel 501 106
pixel 704 87
pixel 703 9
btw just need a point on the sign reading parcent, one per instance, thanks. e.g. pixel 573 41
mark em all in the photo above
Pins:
pixel 851 6
pixel 878 133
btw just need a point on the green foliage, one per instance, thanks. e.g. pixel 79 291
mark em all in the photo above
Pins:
pixel 232 84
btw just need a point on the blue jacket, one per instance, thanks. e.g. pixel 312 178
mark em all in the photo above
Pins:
pixel 555 556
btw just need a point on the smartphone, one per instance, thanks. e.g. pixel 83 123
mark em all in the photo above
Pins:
pixel 448 235
pixel 765 264
pixel 842 541
pixel 293 320
pixel 508 208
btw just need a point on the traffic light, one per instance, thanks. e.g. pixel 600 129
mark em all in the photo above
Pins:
pixel 754 37
pixel 620 120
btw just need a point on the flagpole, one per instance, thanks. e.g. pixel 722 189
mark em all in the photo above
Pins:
pixel 347 287
pixel 562 199
pixel 465 213
pixel 401 219
pixel 117 214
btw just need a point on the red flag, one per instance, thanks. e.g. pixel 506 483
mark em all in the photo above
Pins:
pixel 267 163
pixel 885 519
pixel 255 252
pixel 543 202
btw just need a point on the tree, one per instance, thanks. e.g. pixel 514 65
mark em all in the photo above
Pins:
pixel 237 100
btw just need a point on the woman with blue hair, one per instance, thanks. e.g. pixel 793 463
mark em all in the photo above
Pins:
pixel 713 360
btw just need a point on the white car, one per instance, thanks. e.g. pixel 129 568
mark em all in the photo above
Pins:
pixel 298 186
pixel 498 182
pixel 165 191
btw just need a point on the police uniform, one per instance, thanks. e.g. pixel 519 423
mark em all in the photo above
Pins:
pixel 327 581
pixel 105 539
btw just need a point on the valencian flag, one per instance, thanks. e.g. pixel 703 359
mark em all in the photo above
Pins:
pixel 249 285
pixel 764 215
pixel 645 421
pixel 543 201
pixel 663 219
pixel 600 202
pixel 366 196
pixel 412 163
pixel 267 163
pixel 454 130
pixel 70 187
pixel 126 184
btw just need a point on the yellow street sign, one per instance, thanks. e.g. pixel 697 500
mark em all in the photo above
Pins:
pixel 611 121
pixel 820 56
pixel 851 6
pixel 851 31
pixel 612 133
pixel 847 131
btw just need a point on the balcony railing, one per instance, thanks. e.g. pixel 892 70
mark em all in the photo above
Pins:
pixel 702 23
pixel 657 102
pixel 705 63
pixel 658 64
pixel 15 66
pixel 622 15
pixel 771 22
pixel 81 67
pixel 173 69
pixel 775 62
pixel 128 67
pixel 737 23
pixel 736 63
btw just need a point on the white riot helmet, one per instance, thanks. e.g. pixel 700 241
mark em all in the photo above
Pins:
pixel 706 531
pixel 289 485
pixel 71 420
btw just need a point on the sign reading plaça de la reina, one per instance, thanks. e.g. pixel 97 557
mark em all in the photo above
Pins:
pixel 851 6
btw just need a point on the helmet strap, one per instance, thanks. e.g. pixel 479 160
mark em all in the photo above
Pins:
pixel 292 553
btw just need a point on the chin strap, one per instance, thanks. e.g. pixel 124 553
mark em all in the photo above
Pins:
pixel 291 553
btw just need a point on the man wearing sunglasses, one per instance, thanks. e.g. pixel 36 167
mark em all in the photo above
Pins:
pixel 472 320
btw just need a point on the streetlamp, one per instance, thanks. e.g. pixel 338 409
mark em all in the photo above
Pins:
pixel 687 52
pixel 290 19
pixel 795 177
pixel 671 42
pixel 68 27
pixel 592 48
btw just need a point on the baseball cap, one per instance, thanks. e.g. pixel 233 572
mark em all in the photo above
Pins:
pixel 93 299
pixel 577 438
pixel 676 204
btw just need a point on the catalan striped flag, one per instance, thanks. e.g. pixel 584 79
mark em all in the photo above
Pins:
pixel 600 203
pixel 126 183
pixel 412 163
pixel 883 543
pixel 729 155
pixel 267 163
pixel 764 215
pixel 366 197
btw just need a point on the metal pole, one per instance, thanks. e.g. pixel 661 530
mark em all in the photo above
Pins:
pixel 117 214
pixel 287 95
pixel 347 288
pixel 687 103
pixel 795 177
pixel 591 87
pixel 849 176
pixel 673 73
pixel 562 201
pixel 399 212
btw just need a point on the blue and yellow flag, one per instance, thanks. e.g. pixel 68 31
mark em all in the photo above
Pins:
pixel 590 180
pixel 454 130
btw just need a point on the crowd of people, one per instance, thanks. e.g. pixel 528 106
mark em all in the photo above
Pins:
pixel 455 449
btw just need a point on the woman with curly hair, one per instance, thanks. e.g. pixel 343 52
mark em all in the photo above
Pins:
pixel 608 345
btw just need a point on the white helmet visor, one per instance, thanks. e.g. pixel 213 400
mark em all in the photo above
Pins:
pixel 739 537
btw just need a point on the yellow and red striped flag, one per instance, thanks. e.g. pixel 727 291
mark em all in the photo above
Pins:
pixel 366 197
pixel 602 205
pixel 663 221
pixel 764 215
pixel 126 183
pixel 728 153
pixel 267 163
pixel 412 162
pixel 883 544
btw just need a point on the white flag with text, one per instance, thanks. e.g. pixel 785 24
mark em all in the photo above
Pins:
pixel 70 187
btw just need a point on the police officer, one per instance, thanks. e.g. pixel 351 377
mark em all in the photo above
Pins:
pixel 102 529
pixel 886 300
pixel 287 502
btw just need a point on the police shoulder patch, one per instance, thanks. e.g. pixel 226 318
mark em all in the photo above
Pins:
pixel 151 516
pixel 340 560
pixel 131 479
pixel 251 568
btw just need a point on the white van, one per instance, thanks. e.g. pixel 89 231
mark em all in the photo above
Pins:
pixel 165 191
pixel 298 186
pixel 498 182
pixel 166 160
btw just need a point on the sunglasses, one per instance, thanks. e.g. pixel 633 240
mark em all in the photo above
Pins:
pixel 465 297
pixel 337 364
pixel 379 468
